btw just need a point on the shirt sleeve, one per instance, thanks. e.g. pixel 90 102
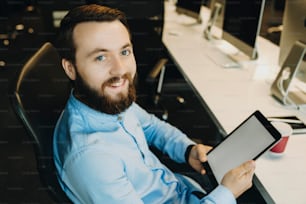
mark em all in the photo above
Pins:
pixel 97 177
pixel 221 194
pixel 162 135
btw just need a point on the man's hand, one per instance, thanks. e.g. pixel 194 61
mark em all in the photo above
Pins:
pixel 238 180
pixel 197 156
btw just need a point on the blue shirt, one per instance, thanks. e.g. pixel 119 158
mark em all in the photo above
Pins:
pixel 102 158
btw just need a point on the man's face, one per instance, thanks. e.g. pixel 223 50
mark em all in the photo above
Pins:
pixel 105 66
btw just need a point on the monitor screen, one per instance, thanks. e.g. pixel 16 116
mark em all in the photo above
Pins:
pixel 241 25
pixel 190 8
pixel 294 29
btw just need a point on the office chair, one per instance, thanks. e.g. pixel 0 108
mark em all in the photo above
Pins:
pixel 146 22
pixel 38 95
pixel 146 14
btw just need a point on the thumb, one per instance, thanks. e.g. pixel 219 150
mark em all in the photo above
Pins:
pixel 248 167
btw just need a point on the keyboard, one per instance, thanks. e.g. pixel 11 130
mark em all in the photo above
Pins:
pixel 220 58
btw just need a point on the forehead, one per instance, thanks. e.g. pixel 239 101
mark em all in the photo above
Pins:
pixel 109 35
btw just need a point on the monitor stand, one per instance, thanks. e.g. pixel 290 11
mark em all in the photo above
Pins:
pixel 215 13
pixel 226 55
pixel 282 86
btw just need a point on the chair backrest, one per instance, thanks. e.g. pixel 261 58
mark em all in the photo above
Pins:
pixel 39 94
pixel 136 9
pixel 146 22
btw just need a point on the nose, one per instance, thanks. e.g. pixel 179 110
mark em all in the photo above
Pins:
pixel 118 67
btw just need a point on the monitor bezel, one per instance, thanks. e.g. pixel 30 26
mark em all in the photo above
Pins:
pixel 196 14
pixel 246 48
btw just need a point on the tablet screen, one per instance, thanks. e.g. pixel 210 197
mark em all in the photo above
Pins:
pixel 247 142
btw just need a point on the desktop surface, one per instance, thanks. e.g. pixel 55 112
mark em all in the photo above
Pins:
pixel 233 94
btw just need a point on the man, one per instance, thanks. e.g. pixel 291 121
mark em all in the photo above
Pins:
pixel 102 139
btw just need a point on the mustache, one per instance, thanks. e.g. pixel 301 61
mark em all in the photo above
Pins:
pixel 118 78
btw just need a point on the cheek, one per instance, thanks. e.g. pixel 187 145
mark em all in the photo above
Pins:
pixel 95 79
pixel 133 67
pixel 98 81
pixel 133 72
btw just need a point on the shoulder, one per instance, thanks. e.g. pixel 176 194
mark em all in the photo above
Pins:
pixel 138 113
pixel 136 108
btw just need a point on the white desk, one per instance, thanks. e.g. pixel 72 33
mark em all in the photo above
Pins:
pixel 232 94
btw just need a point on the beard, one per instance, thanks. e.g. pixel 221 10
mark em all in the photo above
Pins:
pixel 100 101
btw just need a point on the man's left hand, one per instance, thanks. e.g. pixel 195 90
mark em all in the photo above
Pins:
pixel 197 156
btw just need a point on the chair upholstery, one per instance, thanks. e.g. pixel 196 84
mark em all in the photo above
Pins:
pixel 146 22
pixel 38 96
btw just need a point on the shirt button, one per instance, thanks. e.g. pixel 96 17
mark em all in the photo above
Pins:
pixel 119 118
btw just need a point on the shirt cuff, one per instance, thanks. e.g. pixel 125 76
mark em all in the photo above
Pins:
pixel 187 153
pixel 221 194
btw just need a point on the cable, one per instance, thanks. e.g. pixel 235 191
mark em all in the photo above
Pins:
pixel 284 92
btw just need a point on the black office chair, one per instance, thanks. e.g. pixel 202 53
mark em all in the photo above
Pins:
pixel 39 94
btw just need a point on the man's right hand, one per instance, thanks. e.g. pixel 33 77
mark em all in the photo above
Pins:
pixel 239 179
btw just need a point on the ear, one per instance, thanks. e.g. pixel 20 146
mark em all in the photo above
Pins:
pixel 69 69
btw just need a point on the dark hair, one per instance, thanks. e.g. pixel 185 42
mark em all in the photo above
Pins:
pixel 84 13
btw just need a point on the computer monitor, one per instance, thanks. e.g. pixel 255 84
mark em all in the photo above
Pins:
pixel 241 25
pixel 294 29
pixel 190 8
pixel 290 84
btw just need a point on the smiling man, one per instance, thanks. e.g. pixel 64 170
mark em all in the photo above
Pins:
pixel 105 66
pixel 102 139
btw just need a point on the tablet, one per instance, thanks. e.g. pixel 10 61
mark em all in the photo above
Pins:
pixel 248 141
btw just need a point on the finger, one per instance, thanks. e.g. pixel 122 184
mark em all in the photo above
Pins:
pixel 202 152
pixel 203 171
pixel 202 156
pixel 208 148
pixel 248 167
pixel 200 169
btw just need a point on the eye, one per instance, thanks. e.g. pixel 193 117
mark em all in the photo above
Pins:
pixel 126 52
pixel 100 58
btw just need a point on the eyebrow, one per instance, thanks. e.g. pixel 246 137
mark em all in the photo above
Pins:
pixel 97 50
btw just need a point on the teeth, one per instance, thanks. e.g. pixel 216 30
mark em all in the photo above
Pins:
pixel 118 83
